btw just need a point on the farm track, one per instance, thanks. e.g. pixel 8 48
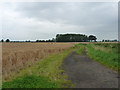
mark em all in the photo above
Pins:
pixel 86 73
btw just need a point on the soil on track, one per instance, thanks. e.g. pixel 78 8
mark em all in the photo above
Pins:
pixel 86 73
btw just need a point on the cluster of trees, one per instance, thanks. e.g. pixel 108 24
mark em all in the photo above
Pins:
pixel 64 38
pixel 7 40
pixel 74 38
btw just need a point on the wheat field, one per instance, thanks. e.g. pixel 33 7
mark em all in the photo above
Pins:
pixel 17 56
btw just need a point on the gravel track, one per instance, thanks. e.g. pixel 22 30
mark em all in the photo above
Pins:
pixel 86 73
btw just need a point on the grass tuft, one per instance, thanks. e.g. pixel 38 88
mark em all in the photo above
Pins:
pixel 80 48
pixel 30 81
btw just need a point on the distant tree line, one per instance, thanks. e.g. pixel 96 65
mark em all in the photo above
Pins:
pixel 53 40
pixel 109 40
pixel 64 38
pixel 75 38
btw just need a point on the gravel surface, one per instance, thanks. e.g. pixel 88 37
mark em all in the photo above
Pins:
pixel 86 73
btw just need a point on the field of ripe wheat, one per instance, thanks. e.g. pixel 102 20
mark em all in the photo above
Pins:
pixel 17 56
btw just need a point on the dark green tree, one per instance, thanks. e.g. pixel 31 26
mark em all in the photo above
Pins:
pixel 7 40
pixel 92 38
pixel 103 40
pixel 2 40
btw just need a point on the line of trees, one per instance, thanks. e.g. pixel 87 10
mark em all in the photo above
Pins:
pixel 110 40
pixel 75 38
pixel 53 40
pixel 64 38
pixel 7 40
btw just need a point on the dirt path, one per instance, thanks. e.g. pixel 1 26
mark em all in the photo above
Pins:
pixel 86 73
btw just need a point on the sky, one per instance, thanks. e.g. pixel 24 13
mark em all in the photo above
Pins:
pixel 43 20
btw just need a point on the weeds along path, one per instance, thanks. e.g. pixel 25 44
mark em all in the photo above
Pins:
pixel 86 73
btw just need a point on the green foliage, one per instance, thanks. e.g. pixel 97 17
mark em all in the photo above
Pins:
pixel 71 38
pixel 7 40
pixel 80 48
pixel 109 45
pixel 110 59
pixel 2 40
pixel 91 37
pixel 30 81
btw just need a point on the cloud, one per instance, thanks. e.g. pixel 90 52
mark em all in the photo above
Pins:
pixel 43 20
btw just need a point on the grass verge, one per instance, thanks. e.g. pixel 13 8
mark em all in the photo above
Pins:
pixel 44 74
pixel 109 59
pixel 30 81
pixel 80 48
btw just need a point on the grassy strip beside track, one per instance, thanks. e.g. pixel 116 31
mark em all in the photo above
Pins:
pixel 108 58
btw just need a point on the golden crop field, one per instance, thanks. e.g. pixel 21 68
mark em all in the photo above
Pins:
pixel 16 56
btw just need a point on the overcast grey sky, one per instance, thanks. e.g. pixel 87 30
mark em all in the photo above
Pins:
pixel 43 20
